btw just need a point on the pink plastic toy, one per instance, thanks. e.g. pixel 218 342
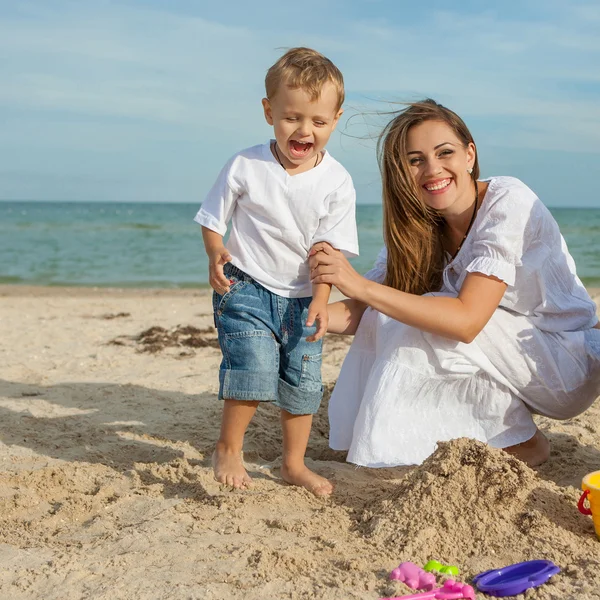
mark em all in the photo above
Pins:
pixel 413 576
pixel 451 590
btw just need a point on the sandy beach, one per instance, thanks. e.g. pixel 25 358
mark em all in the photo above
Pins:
pixel 106 490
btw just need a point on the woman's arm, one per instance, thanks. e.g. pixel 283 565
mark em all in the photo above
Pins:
pixel 460 318
pixel 344 316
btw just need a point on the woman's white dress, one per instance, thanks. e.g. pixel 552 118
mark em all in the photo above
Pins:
pixel 402 390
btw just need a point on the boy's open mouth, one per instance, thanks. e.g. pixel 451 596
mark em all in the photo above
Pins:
pixel 300 149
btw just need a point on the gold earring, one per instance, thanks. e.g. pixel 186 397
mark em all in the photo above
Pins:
pixel 469 171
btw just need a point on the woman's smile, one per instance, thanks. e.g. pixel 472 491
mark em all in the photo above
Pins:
pixel 438 186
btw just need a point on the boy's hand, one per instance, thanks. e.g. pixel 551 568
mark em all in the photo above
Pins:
pixel 317 311
pixel 217 259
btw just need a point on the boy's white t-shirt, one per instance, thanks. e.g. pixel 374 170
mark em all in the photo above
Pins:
pixel 276 217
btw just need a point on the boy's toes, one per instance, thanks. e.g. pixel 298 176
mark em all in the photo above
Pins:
pixel 308 479
pixel 239 482
pixel 323 489
pixel 228 469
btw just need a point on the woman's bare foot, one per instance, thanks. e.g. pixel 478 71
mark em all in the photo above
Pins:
pixel 533 452
pixel 228 468
pixel 304 477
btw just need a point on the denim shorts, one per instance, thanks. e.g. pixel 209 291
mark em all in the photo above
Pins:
pixel 265 353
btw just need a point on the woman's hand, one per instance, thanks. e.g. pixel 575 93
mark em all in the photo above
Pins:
pixel 328 265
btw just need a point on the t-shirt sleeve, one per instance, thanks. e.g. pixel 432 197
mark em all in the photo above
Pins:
pixel 504 234
pixel 379 270
pixel 338 226
pixel 217 208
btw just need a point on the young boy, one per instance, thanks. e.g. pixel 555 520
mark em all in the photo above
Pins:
pixel 281 198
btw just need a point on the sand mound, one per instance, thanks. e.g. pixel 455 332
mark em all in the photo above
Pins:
pixel 469 504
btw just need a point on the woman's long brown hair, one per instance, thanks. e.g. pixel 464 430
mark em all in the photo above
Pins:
pixel 412 230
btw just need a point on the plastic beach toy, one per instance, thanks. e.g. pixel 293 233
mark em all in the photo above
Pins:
pixel 591 490
pixel 451 590
pixel 435 566
pixel 515 579
pixel 413 576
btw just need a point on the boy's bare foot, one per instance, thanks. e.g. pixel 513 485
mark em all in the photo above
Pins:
pixel 304 477
pixel 228 468
pixel 533 452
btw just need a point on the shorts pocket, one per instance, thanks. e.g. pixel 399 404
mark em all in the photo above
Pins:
pixel 310 376
pixel 220 302
pixel 252 351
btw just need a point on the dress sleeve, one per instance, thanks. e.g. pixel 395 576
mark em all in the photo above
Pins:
pixel 217 208
pixel 504 233
pixel 338 226
pixel 379 270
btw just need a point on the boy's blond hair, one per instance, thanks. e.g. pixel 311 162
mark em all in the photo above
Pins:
pixel 305 69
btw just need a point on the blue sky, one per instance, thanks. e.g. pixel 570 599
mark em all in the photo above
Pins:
pixel 145 101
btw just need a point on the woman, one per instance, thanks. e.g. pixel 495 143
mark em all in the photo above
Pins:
pixel 471 320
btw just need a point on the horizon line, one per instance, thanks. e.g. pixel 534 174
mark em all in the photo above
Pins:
pixel 163 202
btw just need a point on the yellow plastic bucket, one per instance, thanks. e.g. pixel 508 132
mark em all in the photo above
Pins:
pixel 591 491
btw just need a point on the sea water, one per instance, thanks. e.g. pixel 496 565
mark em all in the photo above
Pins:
pixel 159 245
